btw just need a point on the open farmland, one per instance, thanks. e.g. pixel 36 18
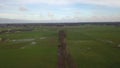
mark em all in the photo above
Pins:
pixel 90 47
pixel 34 49
pixel 95 47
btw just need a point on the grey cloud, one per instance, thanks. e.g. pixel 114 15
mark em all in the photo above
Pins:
pixel 23 9
pixel 2 6
pixel 111 3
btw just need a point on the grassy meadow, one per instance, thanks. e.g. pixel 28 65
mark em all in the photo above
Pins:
pixel 90 47
pixel 34 49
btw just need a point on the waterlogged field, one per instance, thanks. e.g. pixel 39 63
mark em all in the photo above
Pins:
pixel 90 47
pixel 95 47
pixel 34 49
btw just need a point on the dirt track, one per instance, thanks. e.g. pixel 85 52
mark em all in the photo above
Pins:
pixel 64 58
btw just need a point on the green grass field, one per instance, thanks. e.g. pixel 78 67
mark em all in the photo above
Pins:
pixel 90 47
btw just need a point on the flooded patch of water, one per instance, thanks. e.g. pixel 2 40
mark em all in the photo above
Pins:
pixel 23 40
pixel 118 46
pixel 33 43
pixel 43 37
pixel 22 47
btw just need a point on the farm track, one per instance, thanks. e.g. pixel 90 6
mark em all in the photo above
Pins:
pixel 65 59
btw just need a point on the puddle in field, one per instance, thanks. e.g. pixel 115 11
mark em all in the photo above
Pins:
pixel 108 41
pixel 118 46
pixel 23 40
pixel 43 37
pixel 22 47
pixel 79 41
pixel 31 44
pixel 27 40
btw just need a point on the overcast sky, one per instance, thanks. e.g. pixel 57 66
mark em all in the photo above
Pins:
pixel 61 10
